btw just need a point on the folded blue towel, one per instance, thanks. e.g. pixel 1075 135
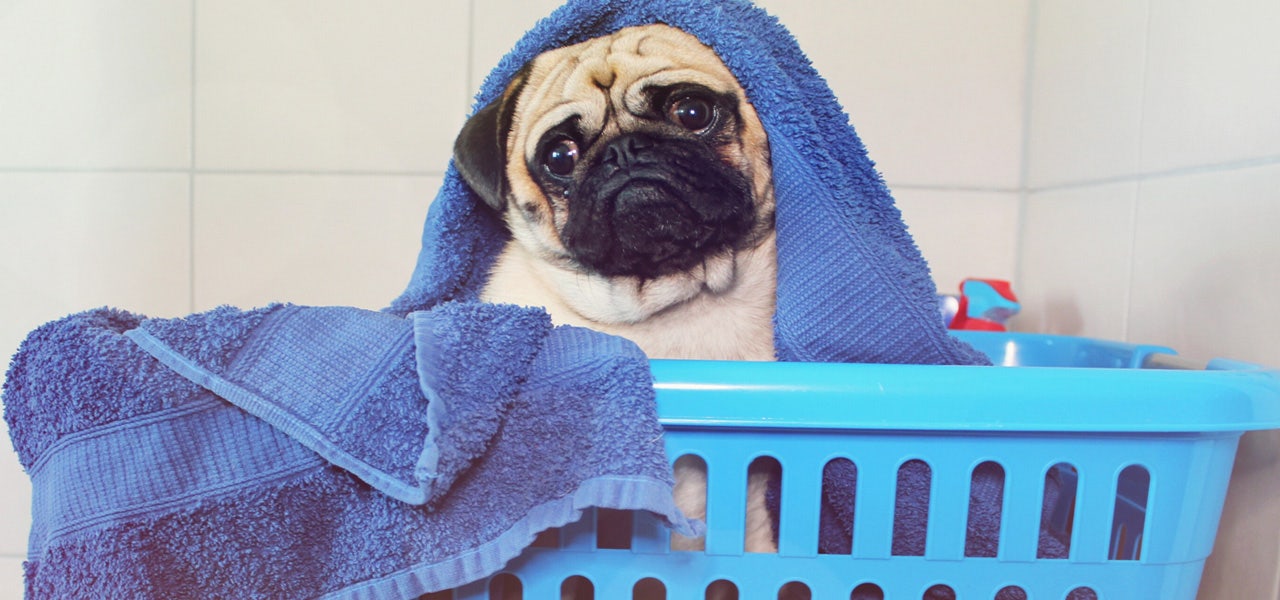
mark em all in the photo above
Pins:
pixel 306 452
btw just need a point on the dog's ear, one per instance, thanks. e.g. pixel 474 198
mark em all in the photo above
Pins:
pixel 481 148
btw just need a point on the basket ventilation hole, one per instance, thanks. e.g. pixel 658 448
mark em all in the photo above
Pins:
pixel 505 587
pixel 795 591
pixel 764 505
pixel 911 508
pixel 986 497
pixel 1129 519
pixel 837 506
pixel 1011 592
pixel 613 529
pixel 1059 514
pixel 649 589
pixel 547 538
pixel 722 589
pixel 1082 593
pixel 867 591
pixel 691 498
pixel 939 592
pixel 577 588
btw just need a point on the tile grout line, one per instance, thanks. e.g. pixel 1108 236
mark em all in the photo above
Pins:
pixel 1222 167
pixel 1024 175
pixel 1134 208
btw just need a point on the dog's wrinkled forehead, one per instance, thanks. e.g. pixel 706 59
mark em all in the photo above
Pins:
pixel 605 82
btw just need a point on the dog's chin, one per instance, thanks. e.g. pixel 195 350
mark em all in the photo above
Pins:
pixel 624 299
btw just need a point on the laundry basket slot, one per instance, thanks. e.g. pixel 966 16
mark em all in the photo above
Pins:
pixel 1109 478
pixel 1024 458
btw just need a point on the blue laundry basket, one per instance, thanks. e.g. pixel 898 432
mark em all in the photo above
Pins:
pixel 1141 457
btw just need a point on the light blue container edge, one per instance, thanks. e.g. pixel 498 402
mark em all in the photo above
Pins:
pixel 1046 384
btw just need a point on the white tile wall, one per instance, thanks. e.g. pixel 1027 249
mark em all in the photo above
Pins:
pixel 1213 82
pixel 1117 160
pixel 934 87
pixel 962 233
pixel 72 241
pixel 1077 254
pixel 1086 98
pixel 1206 275
pixel 324 239
pixel 329 85
pixel 95 84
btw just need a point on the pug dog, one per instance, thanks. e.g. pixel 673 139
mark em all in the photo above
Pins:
pixel 634 177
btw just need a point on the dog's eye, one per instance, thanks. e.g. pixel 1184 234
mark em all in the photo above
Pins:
pixel 692 113
pixel 561 156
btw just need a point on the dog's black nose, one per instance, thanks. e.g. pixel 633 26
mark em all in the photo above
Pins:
pixel 650 205
pixel 626 150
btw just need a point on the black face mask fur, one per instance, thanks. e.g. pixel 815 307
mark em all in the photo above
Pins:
pixel 648 205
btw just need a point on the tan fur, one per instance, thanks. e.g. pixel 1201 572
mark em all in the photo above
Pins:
pixel 733 324
pixel 601 81
pixel 719 310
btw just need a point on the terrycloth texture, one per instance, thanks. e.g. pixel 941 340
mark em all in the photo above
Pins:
pixel 911 511
pixel 303 452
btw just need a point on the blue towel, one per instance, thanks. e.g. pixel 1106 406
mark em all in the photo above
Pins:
pixel 307 452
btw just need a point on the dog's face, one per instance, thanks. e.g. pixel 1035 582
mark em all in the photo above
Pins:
pixel 633 156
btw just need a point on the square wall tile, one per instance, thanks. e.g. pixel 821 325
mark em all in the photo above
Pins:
pixel 1075 256
pixel 1213 82
pixel 962 234
pixel 71 242
pixel 330 85
pixel 1206 250
pixel 322 240
pixel 1086 91
pixel 498 25
pixel 91 84
pixel 935 88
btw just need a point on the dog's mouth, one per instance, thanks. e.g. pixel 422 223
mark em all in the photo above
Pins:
pixel 649 207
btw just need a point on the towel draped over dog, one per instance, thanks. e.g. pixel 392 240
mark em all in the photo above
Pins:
pixel 852 286
pixel 323 451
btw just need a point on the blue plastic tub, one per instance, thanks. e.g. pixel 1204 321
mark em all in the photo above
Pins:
pixel 1143 456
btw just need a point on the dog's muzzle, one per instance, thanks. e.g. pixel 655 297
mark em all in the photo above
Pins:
pixel 650 206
